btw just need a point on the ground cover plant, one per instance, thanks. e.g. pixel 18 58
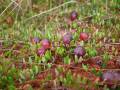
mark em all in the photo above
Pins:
pixel 60 44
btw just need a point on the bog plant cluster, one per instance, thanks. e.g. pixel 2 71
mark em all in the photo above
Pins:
pixel 82 54
pixel 65 39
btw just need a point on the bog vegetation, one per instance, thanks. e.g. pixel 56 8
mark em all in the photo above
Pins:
pixel 59 44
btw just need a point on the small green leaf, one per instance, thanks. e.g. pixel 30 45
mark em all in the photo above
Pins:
pixel 98 45
pixel 75 25
pixel 13 67
pixel 106 56
pixel 60 51
pixel 31 72
pixel 96 31
pixel 85 67
pixel 15 57
pixel 68 76
pixel 9 55
pixel 81 43
pixel 76 58
pixel 60 69
pixel 104 65
pixel 99 73
pixel 24 62
pixel 22 51
pixel 49 65
pixel 48 54
pixel 39 68
pixel 36 69
pixel 49 77
pixel 61 43
pixel 39 45
pixel 30 87
pixel 11 87
pixel 10 79
pixel 113 40
pixel 93 70
pixel 66 60
pixel 43 82
pixel 72 42
pixel 34 47
pixel 22 76
pixel 36 59
pixel 56 73
pixel 117 37
pixel 30 61
pixel 84 80
pixel 43 59
pixel 20 80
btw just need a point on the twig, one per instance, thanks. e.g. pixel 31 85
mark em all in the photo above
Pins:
pixel 17 4
pixel 49 10
pixel 6 8
pixel 11 11
pixel 9 50
pixel 9 6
